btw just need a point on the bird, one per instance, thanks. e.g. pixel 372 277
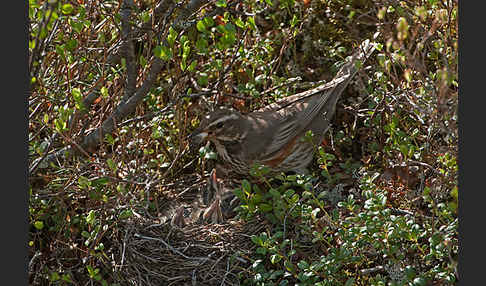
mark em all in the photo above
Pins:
pixel 275 135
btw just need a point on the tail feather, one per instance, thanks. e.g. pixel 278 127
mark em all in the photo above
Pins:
pixel 337 84
pixel 304 118
pixel 331 92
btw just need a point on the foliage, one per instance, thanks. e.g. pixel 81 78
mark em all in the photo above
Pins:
pixel 379 204
pixel 309 246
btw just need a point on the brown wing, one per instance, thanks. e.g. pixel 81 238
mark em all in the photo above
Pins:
pixel 293 115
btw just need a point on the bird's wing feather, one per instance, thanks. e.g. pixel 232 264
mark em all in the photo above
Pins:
pixel 307 106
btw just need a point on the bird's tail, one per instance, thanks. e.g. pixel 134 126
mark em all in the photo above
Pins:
pixel 325 104
pixel 331 90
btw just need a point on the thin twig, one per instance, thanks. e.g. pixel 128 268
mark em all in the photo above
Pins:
pixel 371 270
pixel 288 81
pixel 169 247
pixel 413 162
pixel 92 140
pixel 228 67
pixel 37 48
pixel 147 116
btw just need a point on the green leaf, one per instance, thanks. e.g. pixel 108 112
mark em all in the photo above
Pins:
pixel 246 186
pixel 257 240
pixel 43 33
pixel 126 214
pixel 192 66
pixel 275 194
pixel 202 46
pixel 78 98
pixel 85 234
pixel 60 125
pixel 349 282
pixel 404 149
pixel 39 225
pixel 265 207
pixel 402 28
pixel 145 16
pixel 76 25
pixel 289 193
pixel 67 9
pixel 239 193
pixel 410 272
pixel 208 22
pixel 158 51
pixel 230 28
pixel 257 198
pixel 221 3
pixel 111 164
pixel 186 49
pixel 104 92
pixel 67 278
pixel 454 193
pixel 240 23
pixel 276 274
pixel 201 27
pixel 76 92
pixel 55 276
pixel 60 51
pixel 83 182
pixel 101 181
pixel 294 199
pixel 261 250
pixel 33 4
pixel 289 266
pixel 172 36
pixel 419 281
pixel 163 52
pixel 91 217
pixel 383 200
pixel 256 263
pixel 100 246
pixel 184 40
pixel 143 61
pixel 275 258
pixel 211 155
pixel 303 264
pixel 294 21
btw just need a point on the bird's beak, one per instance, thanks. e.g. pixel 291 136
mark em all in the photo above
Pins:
pixel 197 137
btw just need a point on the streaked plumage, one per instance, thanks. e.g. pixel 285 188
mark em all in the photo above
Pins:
pixel 273 135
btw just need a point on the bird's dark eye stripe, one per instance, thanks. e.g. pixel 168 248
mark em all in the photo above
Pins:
pixel 216 125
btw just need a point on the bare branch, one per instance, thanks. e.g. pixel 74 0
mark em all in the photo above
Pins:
pixel 127 106
pixel 122 110
pixel 128 49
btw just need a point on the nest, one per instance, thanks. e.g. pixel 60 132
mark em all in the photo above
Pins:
pixel 161 254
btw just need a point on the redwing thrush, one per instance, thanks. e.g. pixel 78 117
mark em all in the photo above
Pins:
pixel 273 135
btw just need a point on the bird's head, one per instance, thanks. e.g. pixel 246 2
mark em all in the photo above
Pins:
pixel 218 126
